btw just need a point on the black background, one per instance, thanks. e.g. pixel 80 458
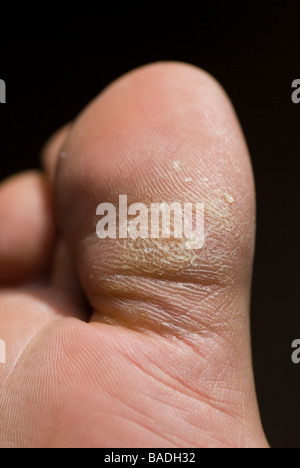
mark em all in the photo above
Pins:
pixel 54 65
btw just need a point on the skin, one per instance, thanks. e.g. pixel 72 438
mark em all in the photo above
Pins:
pixel 108 346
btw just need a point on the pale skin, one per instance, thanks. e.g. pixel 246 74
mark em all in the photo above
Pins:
pixel 108 346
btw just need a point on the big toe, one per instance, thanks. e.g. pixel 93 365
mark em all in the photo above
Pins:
pixel 167 134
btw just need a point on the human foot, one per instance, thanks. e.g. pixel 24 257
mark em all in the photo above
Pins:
pixel 163 359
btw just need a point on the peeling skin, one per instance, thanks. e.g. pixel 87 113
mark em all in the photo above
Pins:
pixel 229 198
pixel 169 257
pixel 123 273
pixel 156 255
pixel 178 165
pixel 223 215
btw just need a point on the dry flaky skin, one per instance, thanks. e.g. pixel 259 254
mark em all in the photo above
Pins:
pixel 157 156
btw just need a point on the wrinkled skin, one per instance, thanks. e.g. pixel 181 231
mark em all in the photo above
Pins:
pixel 112 343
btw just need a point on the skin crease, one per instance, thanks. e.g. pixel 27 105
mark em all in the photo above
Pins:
pixel 159 356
